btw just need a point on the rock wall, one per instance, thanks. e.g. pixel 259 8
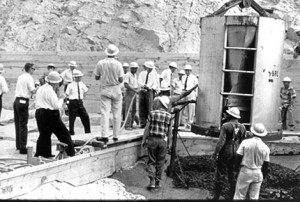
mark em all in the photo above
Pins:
pixel 134 25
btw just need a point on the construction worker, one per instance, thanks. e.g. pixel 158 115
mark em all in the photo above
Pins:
pixel 76 91
pixel 155 139
pixel 177 87
pixel 48 118
pixel 51 67
pixel 125 69
pixel 231 134
pixel 287 95
pixel 189 81
pixel 24 89
pixel 110 73
pixel 3 87
pixel 131 89
pixel 148 85
pixel 166 79
pixel 253 157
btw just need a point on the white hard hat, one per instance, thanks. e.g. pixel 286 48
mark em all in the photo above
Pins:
pixel 125 64
pixel 72 64
pixel 287 79
pixel 111 50
pixel 53 77
pixel 181 72
pixel 234 111
pixel 77 73
pixel 173 64
pixel 187 67
pixel 149 64
pixel 1 68
pixel 51 65
pixel 259 130
pixel 134 65
pixel 164 100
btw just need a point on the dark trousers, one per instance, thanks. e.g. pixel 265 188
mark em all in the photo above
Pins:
pixel 131 117
pixel 225 169
pixel 21 116
pixel 0 104
pixel 157 151
pixel 165 93
pixel 75 108
pixel 145 105
pixel 48 122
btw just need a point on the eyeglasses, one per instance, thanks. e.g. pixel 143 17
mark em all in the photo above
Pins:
pixel 33 68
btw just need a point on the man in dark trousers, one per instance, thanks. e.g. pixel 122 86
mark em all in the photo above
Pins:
pixel 24 89
pixel 231 135
pixel 76 92
pixel 48 118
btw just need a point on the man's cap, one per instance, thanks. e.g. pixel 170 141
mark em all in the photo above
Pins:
pixel 77 73
pixel 164 101
pixel 125 64
pixel 287 79
pixel 181 72
pixel 53 77
pixel 149 64
pixel 111 50
pixel 134 65
pixel 51 65
pixel 259 130
pixel 72 64
pixel 187 67
pixel 234 111
pixel 173 64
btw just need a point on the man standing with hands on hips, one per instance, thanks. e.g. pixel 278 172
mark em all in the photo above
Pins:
pixel 24 89
pixel 110 73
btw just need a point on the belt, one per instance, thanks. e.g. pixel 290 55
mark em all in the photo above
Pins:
pixel 22 98
pixel 158 136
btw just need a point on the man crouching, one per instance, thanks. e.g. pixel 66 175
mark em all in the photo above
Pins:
pixel 155 137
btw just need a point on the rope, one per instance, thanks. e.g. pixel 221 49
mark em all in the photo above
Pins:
pixel 127 115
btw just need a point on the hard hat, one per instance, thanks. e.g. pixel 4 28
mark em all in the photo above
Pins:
pixel 164 100
pixel 149 64
pixel 1 68
pixel 259 130
pixel 287 79
pixel 187 67
pixel 51 65
pixel 111 50
pixel 234 111
pixel 72 64
pixel 77 73
pixel 173 64
pixel 134 65
pixel 181 72
pixel 125 64
pixel 53 77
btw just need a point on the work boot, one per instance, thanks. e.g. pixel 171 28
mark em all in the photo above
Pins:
pixel 151 185
pixel 102 139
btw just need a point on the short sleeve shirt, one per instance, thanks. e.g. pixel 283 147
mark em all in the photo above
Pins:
pixel 24 86
pixel 72 90
pixel 286 95
pixel 254 152
pixel 109 70
pixel 131 79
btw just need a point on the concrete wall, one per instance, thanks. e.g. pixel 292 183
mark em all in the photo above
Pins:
pixel 14 61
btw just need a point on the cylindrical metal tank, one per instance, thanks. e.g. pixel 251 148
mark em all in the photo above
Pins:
pixel 240 61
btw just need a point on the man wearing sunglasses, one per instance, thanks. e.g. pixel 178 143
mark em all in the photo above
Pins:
pixel 24 89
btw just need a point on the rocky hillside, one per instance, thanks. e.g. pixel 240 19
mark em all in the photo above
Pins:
pixel 134 25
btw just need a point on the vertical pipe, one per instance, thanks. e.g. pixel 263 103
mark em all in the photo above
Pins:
pixel 170 170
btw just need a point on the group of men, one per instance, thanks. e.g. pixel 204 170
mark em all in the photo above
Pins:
pixel 157 96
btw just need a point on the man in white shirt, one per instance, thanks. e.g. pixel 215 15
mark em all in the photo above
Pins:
pixel 125 69
pixel 110 73
pixel 3 87
pixel 189 81
pixel 131 88
pixel 48 118
pixel 67 75
pixel 166 79
pixel 76 91
pixel 253 157
pixel 148 83
pixel 24 89
pixel 177 87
